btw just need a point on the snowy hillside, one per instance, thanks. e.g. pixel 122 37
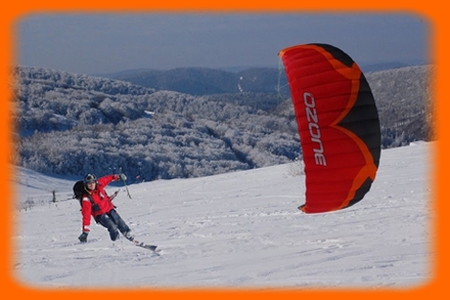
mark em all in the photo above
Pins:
pixel 240 230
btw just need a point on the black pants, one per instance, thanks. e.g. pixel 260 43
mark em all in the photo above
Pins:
pixel 114 223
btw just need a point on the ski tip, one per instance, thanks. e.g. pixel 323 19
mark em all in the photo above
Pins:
pixel 152 247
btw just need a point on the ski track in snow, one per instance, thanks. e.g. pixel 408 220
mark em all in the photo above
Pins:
pixel 239 230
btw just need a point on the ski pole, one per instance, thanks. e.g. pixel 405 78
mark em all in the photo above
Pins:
pixel 114 195
pixel 125 184
pixel 128 192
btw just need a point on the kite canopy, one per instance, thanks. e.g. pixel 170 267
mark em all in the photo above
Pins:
pixel 337 123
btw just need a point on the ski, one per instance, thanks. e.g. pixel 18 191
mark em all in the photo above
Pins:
pixel 143 245
pixel 131 239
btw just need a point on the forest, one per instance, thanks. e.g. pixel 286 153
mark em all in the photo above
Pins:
pixel 74 124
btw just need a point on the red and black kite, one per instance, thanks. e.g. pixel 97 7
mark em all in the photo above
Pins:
pixel 338 125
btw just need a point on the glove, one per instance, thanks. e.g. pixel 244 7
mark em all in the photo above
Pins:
pixel 122 176
pixel 83 237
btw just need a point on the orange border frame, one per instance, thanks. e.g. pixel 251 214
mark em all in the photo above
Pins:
pixel 439 22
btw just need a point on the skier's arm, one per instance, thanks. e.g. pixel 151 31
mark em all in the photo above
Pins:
pixel 105 180
pixel 86 209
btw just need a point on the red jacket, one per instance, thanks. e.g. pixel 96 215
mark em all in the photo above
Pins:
pixel 101 202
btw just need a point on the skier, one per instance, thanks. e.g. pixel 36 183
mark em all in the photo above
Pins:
pixel 97 203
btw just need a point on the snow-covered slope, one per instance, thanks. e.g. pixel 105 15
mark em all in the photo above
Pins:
pixel 240 230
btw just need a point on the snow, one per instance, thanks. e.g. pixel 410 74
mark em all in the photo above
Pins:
pixel 234 230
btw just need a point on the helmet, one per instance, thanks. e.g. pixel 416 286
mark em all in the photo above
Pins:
pixel 89 178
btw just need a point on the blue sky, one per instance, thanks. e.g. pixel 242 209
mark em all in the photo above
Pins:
pixel 90 43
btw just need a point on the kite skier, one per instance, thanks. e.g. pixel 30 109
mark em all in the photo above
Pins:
pixel 95 202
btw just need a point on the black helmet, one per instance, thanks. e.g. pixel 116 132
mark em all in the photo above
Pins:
pixel 89 178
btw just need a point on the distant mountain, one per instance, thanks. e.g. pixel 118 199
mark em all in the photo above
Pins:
pixel 382 66
pixel 204 81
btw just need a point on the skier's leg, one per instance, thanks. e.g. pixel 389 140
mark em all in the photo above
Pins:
pixel 121 225
pixel 109 224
